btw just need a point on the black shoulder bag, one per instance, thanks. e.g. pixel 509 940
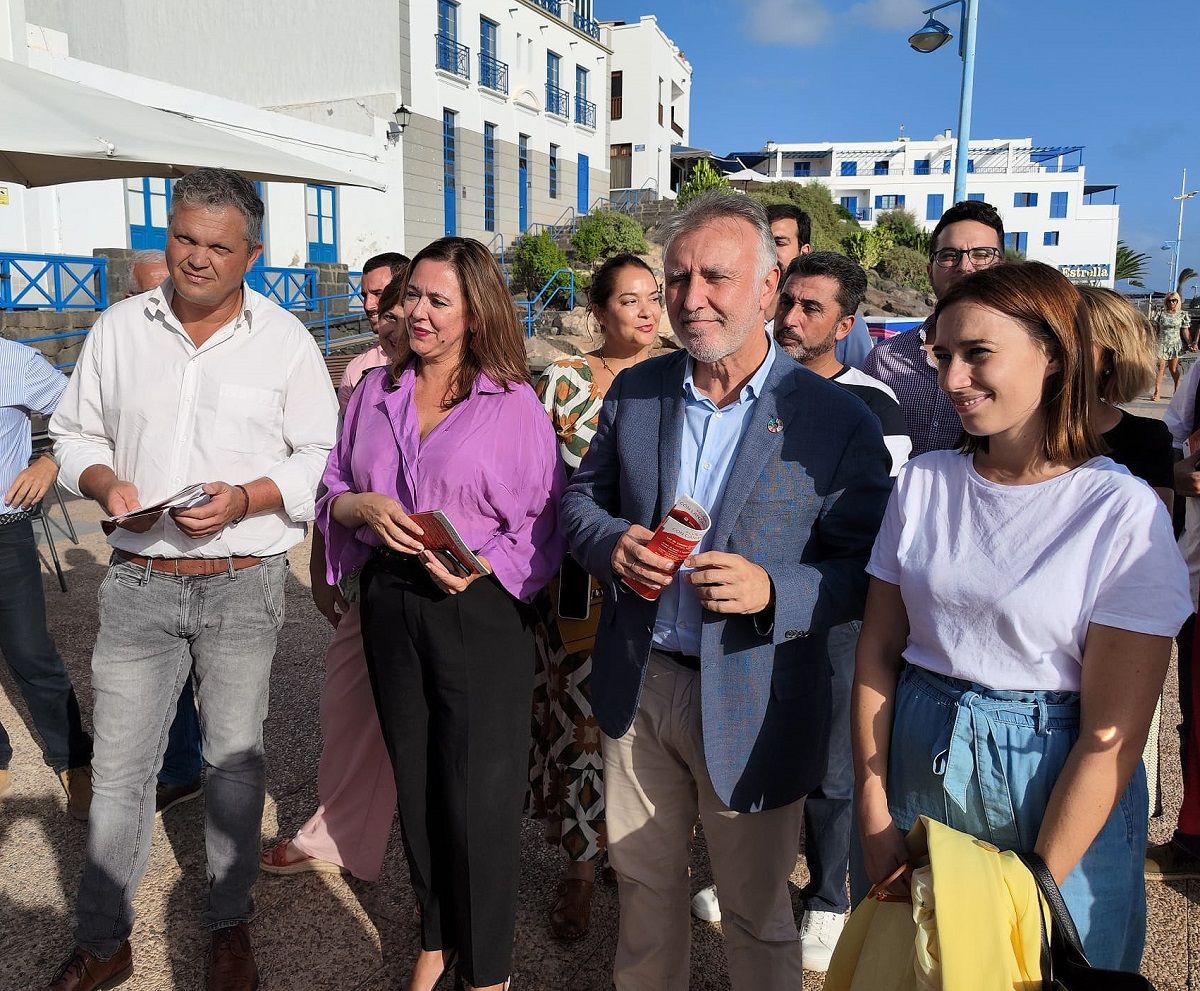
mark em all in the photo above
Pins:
pixel 1065 966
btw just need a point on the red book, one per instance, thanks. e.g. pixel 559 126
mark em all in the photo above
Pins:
pixel 443 541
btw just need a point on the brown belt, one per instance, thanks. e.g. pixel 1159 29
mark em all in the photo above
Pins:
pixel 191 567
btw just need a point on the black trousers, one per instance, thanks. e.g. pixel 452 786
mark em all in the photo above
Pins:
pixel 453 683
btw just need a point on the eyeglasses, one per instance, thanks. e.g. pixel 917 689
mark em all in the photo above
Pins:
pixel 980 257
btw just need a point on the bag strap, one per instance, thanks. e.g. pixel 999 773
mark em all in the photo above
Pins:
pixel 1064 925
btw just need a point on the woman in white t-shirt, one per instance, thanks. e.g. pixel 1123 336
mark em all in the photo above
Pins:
pixel 1024 594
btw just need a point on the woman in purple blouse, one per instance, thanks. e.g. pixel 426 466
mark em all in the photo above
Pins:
pixel 451 424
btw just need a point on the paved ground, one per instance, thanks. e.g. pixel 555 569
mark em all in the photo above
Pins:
pixel 316 933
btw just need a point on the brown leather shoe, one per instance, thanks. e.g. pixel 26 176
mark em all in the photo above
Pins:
pixel 77 783
pixel 82 971
pixel 231 965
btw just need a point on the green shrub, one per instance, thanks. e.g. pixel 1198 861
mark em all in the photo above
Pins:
pixel 867 246
pixel 830 221
pixel 701 179
pixel 536 257
pixel 905 266
pixel 604 233
pixel 905 229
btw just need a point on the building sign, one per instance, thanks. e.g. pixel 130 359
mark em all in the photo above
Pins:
pixel 639 147
pixel 3 196
pixel 1087 275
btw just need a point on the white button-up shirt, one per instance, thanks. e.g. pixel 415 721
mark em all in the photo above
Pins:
pixel 255 400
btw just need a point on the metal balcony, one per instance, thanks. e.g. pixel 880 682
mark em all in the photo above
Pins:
pixel 586 25
pixel 554 6
pixel 453 57
pixel 493 74
pixel 558 101
pixel 585 112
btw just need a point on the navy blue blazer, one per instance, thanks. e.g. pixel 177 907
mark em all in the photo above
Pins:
pixel 804 503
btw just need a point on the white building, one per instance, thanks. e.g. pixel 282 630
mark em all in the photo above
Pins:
pixel 650 107
pixel 1041 193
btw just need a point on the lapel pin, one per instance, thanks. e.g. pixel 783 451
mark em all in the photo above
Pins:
pixel 774 425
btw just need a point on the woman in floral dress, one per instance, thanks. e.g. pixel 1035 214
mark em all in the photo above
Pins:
pixel 566 774
pixel 1172 325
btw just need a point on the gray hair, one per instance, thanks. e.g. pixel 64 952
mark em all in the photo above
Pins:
pixel 216 188
pixel 150 256
pixel 715 206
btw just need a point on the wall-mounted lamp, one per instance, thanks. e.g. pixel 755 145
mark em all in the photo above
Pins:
pixel 400 118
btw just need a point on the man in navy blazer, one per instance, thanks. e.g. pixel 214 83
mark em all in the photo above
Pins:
pixel 715 699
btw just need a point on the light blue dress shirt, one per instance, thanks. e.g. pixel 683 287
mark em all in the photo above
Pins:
pixel 854 347
pixel 28 384
pixel 709 445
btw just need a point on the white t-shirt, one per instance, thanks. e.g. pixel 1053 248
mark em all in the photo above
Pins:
pixel 1000 582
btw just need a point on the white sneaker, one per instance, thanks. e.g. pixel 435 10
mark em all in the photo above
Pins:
pixel 705 906
pixel 819 932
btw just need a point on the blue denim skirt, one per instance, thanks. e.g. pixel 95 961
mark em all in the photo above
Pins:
pixel 985 762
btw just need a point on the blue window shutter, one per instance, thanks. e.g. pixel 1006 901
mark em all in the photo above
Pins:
pixel 975 196
pixel 945 166
pixel 1022 241
pixel 1050 239
pixel 934 206
pixel 1058 205
pixel 970 165
pixel 900 202
pixel 849 168
pixel 878 202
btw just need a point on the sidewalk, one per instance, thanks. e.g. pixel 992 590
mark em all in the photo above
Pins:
pixel 318 932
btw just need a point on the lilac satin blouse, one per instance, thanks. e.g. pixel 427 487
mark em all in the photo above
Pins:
pixel 491 466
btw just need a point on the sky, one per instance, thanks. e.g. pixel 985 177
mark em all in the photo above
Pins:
pixel 1121 79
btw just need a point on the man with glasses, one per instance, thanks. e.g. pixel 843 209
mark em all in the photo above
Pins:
pixel 969 237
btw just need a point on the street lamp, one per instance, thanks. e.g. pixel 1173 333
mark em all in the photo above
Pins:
pixel 930 38
pixel 1183 197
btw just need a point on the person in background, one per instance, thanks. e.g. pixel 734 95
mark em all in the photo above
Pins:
pixel 969 237
pixel 148 271
pixel 566 778
pixel 714 699
pixel 791 230
pixel 357 795
pixel 1173 326
pixel 30 385
pixel 1027 735
pixel 451 424
pixel 201 381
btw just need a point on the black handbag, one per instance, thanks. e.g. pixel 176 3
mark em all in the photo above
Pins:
pixel 1065 966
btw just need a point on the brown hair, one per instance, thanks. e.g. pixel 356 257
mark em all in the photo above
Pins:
pixel 1122 335
pixel 393 293
pixel 494 345
pixel 1049 306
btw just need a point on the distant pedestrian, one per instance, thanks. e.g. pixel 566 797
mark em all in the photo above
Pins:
pixel 1173 325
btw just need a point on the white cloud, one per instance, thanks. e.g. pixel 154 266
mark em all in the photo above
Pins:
pixel 892 14
pixel 787 22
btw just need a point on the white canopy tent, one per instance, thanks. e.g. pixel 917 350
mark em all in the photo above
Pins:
pixel 54 130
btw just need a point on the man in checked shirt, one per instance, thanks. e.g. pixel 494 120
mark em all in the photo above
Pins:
pixel 969 237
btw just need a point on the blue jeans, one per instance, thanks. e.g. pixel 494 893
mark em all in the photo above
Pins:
pixel 154 630
pixel 985 762
pixel 32 657
pixel 828 821
pixel 184 756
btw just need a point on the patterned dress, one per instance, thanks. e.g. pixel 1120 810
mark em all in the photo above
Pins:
pixel 1170 333
pixel 566 771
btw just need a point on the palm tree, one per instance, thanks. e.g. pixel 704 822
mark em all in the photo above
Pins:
pixel 1185 277
pixel 1131 266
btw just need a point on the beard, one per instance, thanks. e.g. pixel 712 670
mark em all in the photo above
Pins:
pixel 711 349
pixel 805 354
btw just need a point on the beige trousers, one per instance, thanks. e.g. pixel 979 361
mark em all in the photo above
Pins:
pixel 655 785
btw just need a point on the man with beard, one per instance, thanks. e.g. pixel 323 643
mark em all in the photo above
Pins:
pixel 793 473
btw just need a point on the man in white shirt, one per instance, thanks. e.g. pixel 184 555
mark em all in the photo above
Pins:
pixel 199 381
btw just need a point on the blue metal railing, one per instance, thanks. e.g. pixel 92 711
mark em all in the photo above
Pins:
pixel 554 6
pixel 493 74
pixel 586 25
pixel 566 224
pixel 291 288
pixel 453 57
pixel 330 312
pixel 63 336
pixel 585 112
pixel 354 285
pixel 558 100
pixel 497 248
pixel 56 282
pixel 555 285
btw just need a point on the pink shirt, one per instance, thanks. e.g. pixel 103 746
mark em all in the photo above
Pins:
pixel 491 466
pixel 357 368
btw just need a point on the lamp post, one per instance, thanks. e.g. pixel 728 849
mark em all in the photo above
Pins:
pixel 930 38
pixel 1183 197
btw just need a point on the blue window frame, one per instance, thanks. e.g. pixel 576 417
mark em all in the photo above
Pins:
pixel 489 176
pixel 975 196
pixel 488 38
pixel 1050 239
pixel 970 165
pixel 801 168
pixel 554 172
pixel 321 222
pixel 934 206
pixel 448 19
pixel 451 56
pixel 149 202
pixel 583 186
pixel 921 167
pixel 849 168
pixel 850 205
pixel 449 173
pixel 1017 239
pixel 522 182
pixel 1058 206
pixel 882 168
pixel 1024 199
pixel 581 82
pixel 889 201
pixel 553 69
pixel 493 74
pixel 557 98
pixel 945 166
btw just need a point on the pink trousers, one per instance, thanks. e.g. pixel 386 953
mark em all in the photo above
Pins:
pixel 355 785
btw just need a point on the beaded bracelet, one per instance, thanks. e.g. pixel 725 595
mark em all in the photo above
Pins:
pixel 246 511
